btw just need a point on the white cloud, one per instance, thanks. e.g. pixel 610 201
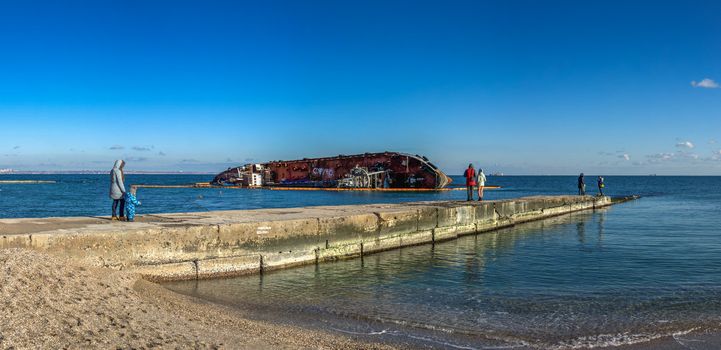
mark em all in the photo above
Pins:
pixel 682 157
pixel 660 157
pixel 618 154
pixel 685 144
pixel 705 83
pixel 687 155
pixel 716 155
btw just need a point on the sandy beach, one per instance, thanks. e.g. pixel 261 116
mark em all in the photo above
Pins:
pixel 50 303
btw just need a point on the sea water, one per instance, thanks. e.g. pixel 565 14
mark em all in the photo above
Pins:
pixel 626 274
pixel 621 275
pixel 87 195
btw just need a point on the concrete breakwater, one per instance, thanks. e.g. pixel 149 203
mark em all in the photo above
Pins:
pixel 225 243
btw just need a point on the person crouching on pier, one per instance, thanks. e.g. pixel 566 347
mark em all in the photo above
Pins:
pixel 470 176
pixel 481 183
pixel 130 202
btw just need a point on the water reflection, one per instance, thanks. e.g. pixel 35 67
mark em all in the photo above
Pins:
pixel 461 263
pixel 581 226
pixel 549 281
pixel 601 226
pixel 469 255
pixel 581 229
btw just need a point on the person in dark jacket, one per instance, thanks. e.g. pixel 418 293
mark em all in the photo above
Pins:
pixel 581 186
pixel 117 188
pixel 601 185
pixel 470 176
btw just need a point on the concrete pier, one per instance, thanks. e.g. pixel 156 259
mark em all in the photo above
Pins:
pixel 226 243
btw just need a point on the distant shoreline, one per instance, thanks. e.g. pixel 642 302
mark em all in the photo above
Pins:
pixel 103 172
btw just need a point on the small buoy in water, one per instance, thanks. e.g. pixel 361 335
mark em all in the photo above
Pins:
pixel 200 196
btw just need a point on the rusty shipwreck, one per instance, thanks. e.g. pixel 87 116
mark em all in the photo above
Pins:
pixel 386 170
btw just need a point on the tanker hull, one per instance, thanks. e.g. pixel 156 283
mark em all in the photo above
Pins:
pixel 369 170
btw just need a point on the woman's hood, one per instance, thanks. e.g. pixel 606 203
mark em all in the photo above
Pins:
pixel 118 164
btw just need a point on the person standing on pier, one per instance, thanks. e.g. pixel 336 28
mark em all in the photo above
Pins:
pixel 117 188
pixel 581 186
pixel 470 176
pixel 601 185
pixel 130 202
pixel 481 183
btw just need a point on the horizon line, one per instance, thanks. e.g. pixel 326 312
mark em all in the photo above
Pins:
pixel 180 172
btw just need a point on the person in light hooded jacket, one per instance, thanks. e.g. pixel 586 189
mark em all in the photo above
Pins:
pixel 117 188
pixel 481 182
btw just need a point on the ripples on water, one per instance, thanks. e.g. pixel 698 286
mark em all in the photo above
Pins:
pixel 624 274
pixel 75 195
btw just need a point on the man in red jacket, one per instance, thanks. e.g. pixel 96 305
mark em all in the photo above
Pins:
pixel 470 176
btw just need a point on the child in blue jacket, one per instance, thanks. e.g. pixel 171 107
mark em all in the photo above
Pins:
pixel 130 202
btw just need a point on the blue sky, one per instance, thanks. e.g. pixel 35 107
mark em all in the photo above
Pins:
pixel 521 87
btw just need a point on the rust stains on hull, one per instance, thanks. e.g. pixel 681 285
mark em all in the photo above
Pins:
pixel 369 170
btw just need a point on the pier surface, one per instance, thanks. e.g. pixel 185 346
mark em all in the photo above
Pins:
pixel 226 243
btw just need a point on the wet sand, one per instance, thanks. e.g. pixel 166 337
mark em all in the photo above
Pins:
pixel 48 302
pixel 693 341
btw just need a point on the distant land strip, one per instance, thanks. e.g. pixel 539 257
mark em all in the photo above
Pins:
pixel 26 182
pixel 102 172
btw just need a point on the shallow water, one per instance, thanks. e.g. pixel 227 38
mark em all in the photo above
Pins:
pixel 626 274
